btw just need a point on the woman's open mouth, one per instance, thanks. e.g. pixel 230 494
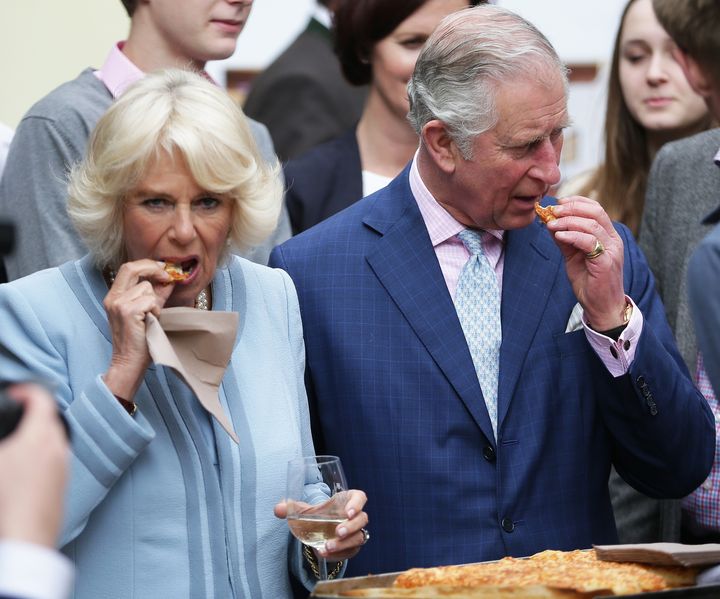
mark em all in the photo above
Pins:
pixel 182 272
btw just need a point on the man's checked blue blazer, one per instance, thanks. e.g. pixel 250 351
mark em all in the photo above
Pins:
pixel 394 393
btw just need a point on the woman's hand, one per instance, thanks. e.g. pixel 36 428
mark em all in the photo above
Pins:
pixel 350 536
pixel 140 287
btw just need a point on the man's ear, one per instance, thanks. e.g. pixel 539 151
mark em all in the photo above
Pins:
pixel 440 147
pixel 694 73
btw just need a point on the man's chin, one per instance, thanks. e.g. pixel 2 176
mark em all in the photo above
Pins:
pixel 522 217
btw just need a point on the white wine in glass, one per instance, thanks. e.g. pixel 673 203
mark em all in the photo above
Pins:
pixel 316 498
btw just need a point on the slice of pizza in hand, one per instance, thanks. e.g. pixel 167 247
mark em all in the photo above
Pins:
pixel 177 272
pixel 546 214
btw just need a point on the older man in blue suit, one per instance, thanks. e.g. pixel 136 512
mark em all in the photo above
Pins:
pixel 479 372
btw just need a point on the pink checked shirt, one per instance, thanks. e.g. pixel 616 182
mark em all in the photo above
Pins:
pixel 452 255
pixel 703 504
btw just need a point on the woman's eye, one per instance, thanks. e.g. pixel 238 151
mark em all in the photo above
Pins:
pixel 413 43
pixel 208 202
pixel 634 58
pixel 154 202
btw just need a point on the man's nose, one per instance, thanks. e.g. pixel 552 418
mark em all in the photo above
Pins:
pixel 546 167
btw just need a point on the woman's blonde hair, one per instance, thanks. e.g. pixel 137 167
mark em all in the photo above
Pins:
pixel 172 111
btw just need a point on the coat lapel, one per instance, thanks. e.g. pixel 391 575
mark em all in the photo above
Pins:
pixel 532 261
pixel 404 261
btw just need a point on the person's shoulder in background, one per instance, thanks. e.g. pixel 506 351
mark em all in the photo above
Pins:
pixel 303 97
pixel 84 97
pixel 701 146
pixel 323 181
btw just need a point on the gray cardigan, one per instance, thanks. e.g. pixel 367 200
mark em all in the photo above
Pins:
pixel 682 190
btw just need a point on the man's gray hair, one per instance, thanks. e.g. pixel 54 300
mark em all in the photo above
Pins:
pixel 470 53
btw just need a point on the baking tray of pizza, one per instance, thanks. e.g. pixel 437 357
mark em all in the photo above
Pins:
pixel 545 575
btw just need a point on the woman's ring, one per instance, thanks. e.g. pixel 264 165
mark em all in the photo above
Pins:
pixel 597 250
pixel 365 534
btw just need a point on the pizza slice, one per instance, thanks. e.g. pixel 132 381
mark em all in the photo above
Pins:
pixel 176 271
pixel 545 213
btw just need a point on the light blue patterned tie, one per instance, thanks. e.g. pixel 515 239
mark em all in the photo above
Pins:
pixel 477 301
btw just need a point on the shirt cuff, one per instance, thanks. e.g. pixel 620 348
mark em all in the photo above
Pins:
pixel 617 355
pixel 34 572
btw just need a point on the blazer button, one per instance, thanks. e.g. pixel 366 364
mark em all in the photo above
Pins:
pixel 507 525
pixel 489 453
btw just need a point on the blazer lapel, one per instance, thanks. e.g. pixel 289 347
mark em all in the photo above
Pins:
pixel 404 261
pixel 531 264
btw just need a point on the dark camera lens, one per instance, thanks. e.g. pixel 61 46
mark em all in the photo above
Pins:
pixel 7 237
pixel 10 414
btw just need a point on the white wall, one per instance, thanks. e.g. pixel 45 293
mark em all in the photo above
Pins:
pixel 580 30
pixel 46 42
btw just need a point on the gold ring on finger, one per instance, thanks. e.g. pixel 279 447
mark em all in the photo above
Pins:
pixel 596 251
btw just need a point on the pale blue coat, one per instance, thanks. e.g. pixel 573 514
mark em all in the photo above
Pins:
pixel 157 505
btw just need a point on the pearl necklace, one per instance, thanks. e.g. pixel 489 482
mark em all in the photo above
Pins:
pixel 202 301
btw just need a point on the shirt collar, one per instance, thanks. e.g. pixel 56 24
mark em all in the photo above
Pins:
pixel 440 223
pixel 119 72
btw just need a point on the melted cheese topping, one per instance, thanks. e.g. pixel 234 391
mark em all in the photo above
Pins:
pixel 580 571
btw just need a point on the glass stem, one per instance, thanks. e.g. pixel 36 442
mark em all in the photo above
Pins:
pixel 322 568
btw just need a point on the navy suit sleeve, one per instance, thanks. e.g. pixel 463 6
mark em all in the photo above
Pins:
pixel 663 429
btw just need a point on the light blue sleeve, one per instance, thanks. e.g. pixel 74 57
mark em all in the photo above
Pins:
pixel 105 439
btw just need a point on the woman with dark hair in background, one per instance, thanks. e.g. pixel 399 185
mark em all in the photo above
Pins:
pixel 649 103
pixel 378 43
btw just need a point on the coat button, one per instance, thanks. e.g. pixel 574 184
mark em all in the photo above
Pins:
pixel 489 453
pixel 508 525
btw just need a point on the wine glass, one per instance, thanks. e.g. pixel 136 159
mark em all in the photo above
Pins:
pixel 316 498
